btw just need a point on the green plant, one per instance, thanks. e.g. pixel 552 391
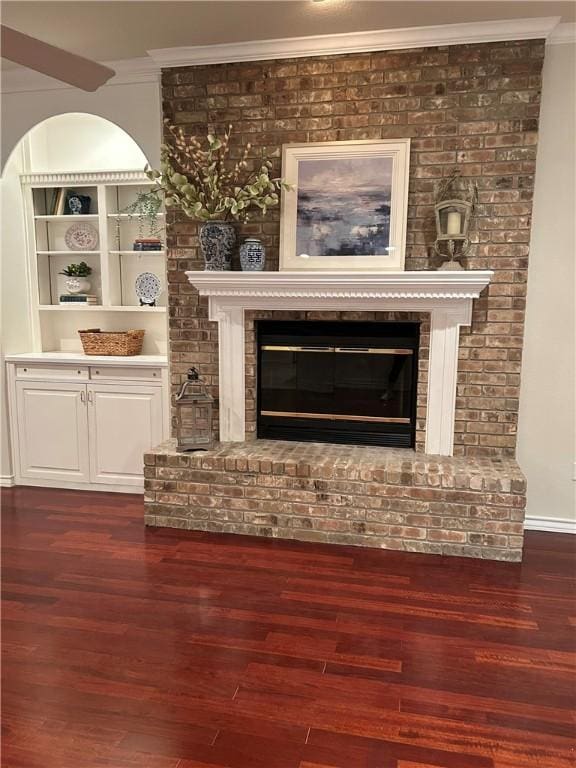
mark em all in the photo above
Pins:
pixel 145 209
pixel 209 185
pixel 77 270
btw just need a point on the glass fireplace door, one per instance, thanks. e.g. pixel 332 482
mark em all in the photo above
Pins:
pixel 341 391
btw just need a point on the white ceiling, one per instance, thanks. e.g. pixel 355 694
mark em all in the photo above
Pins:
pixel 111 31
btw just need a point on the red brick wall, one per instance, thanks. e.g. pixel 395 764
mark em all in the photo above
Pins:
pixel 474 106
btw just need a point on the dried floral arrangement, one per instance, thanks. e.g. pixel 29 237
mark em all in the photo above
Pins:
pixel 207 184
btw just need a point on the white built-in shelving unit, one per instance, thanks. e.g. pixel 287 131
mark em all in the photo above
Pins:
pixel 80 421
pixel 115 265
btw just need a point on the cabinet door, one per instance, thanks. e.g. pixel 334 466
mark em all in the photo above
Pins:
pixel 124 422
pixel 52 430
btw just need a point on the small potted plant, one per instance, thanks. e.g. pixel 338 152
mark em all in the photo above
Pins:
pixel 76 275
pixel 213 189
pixel 145 209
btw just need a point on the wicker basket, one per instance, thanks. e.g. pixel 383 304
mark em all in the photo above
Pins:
pixel 125 343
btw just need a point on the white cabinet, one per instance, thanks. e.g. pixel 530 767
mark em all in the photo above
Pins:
pixel 123 423
pixel 91 432
pixel 53 430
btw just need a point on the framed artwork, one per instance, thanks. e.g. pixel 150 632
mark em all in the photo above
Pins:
pixel 347 206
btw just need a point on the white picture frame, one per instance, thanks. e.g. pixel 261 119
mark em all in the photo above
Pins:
pixel 317 229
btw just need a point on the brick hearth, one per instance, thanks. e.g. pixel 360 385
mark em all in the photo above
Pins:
pixel 391 499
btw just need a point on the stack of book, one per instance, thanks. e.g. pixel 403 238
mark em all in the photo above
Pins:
pixel 78 298
pixel 147 244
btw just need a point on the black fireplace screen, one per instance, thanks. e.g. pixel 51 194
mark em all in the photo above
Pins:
pixel 338 382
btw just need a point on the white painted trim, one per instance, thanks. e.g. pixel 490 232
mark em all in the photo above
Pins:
pixel 128 71
pixel 563 34
pixel 414 284
pixel 447 296
pixel 49 179
pixel 551 524
pixel 357 42
pixel 77 358
pixel 72 486
pixel 6 481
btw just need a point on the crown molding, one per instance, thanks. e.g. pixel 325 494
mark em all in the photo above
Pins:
pixel 357 42
pixel 563 34
pixel 128 71
pixel 146 69
pixel 50 179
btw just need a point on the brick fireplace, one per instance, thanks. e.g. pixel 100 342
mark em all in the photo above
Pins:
pixel 475 106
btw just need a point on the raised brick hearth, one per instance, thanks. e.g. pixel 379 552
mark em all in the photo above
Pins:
pixel 375 497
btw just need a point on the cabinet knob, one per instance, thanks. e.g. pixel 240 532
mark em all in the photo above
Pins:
pixel 154 374
pixel 78 372
pixel 96 372
pixel 25 370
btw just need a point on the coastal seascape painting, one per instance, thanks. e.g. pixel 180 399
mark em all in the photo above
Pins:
pixel 346 206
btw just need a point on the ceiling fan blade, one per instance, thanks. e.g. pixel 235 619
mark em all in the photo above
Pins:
pixel 54 62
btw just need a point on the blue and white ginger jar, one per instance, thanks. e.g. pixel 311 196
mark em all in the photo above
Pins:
pixel 252 255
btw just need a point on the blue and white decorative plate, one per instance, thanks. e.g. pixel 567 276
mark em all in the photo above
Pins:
pixel 148 288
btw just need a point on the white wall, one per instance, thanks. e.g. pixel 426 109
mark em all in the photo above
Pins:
pixel 15 317
pixel 77 141
pixel 547 433
pixel 134 107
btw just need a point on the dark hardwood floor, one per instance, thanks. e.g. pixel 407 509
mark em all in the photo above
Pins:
pixel 137 648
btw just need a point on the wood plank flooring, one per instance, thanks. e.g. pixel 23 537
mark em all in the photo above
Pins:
pixel 137 648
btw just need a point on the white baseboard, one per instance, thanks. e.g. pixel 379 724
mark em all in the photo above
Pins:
pixel 551 524
pixel 72 486
pixel 6 481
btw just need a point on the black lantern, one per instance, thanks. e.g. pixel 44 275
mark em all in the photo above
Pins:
pixel 193 411
pixel 453 212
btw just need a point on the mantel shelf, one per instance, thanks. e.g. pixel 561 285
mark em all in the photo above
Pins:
pixel 416 284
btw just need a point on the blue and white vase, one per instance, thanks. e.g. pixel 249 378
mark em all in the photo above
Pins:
pixel 217 241
pixel 252 255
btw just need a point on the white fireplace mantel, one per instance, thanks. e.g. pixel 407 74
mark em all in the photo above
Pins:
pixel 447 296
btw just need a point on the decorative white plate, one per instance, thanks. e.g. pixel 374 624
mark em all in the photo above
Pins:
pixel 81 236
pixel 148 287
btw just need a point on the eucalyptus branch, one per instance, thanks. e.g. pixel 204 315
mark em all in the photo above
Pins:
pixel 207 184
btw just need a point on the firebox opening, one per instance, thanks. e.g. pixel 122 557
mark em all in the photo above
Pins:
pixel 338 382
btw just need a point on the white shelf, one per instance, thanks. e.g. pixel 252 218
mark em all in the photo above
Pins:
pixel 137 253
pixel 115 265
pixel 68 253
pixel 66 217
pixel 126 216
pixel 73 307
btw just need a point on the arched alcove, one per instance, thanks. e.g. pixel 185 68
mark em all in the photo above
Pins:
pixel 67 143
pixel 78 141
